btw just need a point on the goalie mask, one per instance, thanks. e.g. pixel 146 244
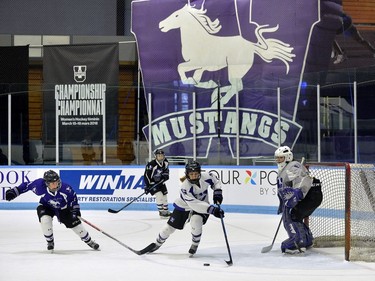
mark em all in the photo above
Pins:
pixel 193 172
pixel 52 177
pixel 283 155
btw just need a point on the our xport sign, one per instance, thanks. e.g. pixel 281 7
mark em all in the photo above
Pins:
pixel 261 179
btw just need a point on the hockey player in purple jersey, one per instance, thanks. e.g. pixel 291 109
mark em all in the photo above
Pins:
pixel 299 196
pixel 56 199
pixel 192 205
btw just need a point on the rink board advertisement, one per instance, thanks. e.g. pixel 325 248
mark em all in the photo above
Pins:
pixel 245 189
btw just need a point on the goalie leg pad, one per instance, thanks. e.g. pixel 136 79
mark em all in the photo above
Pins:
pixel 299 234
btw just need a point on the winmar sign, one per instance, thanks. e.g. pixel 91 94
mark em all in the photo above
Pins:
pixel 103 182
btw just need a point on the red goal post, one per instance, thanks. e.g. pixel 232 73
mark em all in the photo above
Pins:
pixel 346 217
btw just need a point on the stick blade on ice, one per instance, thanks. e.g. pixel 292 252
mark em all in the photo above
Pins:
pixel 266 249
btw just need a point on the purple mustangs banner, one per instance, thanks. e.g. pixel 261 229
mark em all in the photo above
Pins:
pixel 226 53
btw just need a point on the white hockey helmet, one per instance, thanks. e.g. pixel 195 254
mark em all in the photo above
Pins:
pixel 286 152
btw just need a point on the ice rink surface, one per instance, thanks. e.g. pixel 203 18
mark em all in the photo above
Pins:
pixel 23 254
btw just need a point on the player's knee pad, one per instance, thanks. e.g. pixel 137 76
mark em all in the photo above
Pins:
pixel 196 223
pixel 46 224
pixel 164 234
pixel 80 231
pixel 165 200
pixel 166 231
pixel 46 220
pixel 159 198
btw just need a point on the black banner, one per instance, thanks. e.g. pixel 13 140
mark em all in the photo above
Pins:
pixel 79 80
pixel 14 71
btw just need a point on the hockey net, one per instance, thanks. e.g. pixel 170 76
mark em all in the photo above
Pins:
pixel 346 217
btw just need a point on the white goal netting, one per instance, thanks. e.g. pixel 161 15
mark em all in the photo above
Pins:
pixel 346 217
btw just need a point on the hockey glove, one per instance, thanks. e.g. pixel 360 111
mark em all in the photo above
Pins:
pixel 218 196
pixel 76 213
pixel 12 193
pixel 216 211
pixel 316 183
pixel 291 196
pixel 147 189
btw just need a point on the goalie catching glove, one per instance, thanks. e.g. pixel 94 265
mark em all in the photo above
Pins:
pixel 290 196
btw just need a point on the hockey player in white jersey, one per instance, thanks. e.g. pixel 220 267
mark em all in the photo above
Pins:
pixel 193 206
pixel 299 196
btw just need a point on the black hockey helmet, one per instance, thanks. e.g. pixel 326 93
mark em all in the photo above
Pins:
pixel 158 151
pixel 159 159
pixel 51 176
pixel 193 166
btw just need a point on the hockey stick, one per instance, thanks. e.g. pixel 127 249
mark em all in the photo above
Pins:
pixel 113 238
pixel 116 211
pixel 230 262
pixel 269 248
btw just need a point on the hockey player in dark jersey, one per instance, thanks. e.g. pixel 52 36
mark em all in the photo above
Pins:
pixel 56 199
pixel 299 195
pixel 155 176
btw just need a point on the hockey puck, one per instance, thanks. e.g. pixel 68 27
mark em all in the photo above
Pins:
pixel 206 264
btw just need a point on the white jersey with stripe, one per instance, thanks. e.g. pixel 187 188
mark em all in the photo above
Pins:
pixel 195 197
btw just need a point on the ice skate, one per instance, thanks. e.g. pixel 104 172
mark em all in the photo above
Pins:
pixel 50 245
pixel 193 249
pixel 93 244
pixel 296 251
pixel 164 214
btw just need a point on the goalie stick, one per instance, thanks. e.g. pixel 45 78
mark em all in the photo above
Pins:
pixel 113 238
pixel 269 248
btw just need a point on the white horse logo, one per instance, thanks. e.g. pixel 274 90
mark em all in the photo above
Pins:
pixel 203 51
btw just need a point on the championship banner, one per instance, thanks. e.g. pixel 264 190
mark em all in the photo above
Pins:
pixel 80 80
pixel 221 50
